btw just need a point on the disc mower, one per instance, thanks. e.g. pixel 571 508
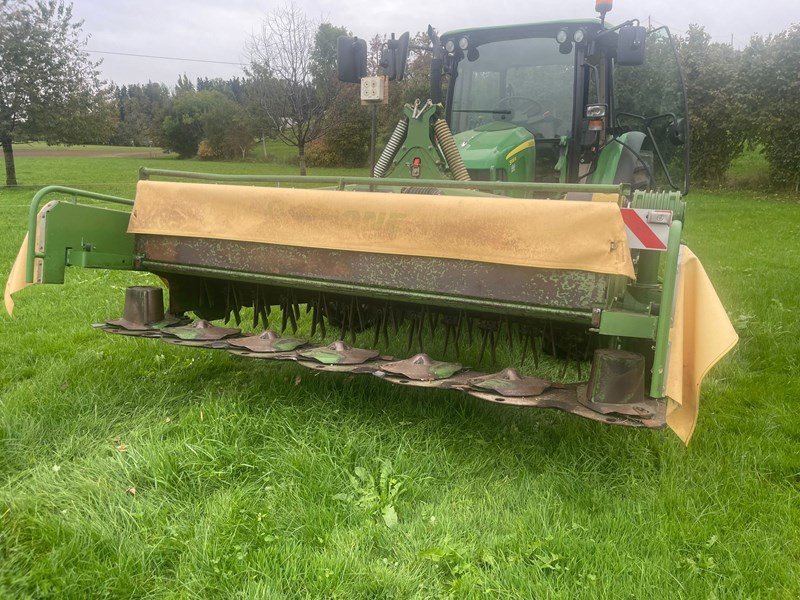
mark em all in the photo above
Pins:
pixel 519 239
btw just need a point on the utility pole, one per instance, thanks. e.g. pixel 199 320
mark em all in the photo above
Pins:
pixel 373 137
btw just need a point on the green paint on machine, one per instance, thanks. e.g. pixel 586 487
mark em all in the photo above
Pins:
pixel 628 324
pixel 82 235
pixel 498 151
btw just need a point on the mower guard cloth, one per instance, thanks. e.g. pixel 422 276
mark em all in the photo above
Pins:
pixel 16 279
pixel 701 335
pixel 551 234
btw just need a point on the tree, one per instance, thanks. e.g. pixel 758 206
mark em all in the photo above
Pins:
pixel 282 70
pixel 228 129
pixel 374 50
pixel 347 124
pixel 714 97
pixel 346 139
pixel 87 117
pixel 183 127
pixel 211 117
pixel 323 54
pixel 140 111
pixel 48 85
pixel 769 77
pixel 184 85
pixel 233 87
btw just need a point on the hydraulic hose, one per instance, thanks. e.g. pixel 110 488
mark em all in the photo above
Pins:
pixel 396 140
pixel 444 137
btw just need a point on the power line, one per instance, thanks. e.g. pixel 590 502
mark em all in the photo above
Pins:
pixel 197 60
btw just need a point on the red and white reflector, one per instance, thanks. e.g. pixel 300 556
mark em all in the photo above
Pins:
pixel 647 229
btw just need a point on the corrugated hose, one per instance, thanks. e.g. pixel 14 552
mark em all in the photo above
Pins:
pixel 390 151
pixel 444 137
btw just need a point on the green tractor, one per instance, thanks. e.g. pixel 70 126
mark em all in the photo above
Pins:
pixel 563 101
pixel 529 226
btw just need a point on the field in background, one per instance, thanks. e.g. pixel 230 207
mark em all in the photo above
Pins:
pixel 277 151
pixel 263 480
pixel 750 170
pixel 273 151
pixel 96 171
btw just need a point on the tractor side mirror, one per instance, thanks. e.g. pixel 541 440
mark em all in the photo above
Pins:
pixel 401 56
pixel 387 64
pixel 351 59
pixel 395 57
pixel 631 45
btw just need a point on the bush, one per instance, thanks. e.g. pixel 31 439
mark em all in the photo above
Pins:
pixel 715 104
pixel 229 131
pixel 339 149
pixel 346 139
pixel 770 78
pixel 208 116
pixel 182 127
pixel 205 151
pixel 321 153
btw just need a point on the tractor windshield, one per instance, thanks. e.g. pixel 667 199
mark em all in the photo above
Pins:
pixel 527 82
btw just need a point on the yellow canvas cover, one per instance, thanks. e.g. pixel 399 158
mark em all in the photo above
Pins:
pixel 508 231
pixel 16 279
pixel 701 335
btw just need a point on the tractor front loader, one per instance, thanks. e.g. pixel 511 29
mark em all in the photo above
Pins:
pixel 519 242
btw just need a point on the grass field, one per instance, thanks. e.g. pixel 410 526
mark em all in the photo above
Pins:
pixel 263 481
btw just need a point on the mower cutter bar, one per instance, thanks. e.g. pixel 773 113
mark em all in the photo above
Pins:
pixel 504 387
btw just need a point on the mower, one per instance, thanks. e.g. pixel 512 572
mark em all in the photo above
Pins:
pixel 519 239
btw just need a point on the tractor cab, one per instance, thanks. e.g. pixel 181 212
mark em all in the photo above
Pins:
pixel 569 101
pixel 577 102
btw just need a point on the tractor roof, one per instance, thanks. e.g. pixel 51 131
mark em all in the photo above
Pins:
pixel 543 26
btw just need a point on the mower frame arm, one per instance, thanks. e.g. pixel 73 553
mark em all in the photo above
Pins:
pixel 33 213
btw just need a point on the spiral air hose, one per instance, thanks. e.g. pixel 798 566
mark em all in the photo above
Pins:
pixel 444 137
pixel 390 151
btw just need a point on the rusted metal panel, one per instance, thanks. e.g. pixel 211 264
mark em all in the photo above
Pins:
pixel 542 287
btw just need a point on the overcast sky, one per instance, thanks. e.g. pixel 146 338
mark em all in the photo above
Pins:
pixel 216 31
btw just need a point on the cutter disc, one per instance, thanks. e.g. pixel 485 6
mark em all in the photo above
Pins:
pixel 167 321
pixel 422 368
pixel 201 330
pixel 511 383
pixel 269 341
pixel 339 353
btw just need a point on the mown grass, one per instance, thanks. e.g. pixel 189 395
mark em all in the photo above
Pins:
pixel 118 175
pixel 260 480
pixel 750 170
pixel 277 152
pixel 81 148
